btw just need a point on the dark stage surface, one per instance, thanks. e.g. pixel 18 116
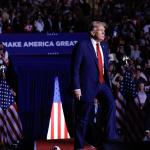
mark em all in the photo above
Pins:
pixel 68 145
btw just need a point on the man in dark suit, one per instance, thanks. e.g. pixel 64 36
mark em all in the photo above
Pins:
pixel 94 133
pixel 89 76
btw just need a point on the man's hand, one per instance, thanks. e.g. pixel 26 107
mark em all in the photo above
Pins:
pixel 77 93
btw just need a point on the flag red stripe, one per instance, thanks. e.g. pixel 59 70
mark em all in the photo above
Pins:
pixel 10 125
pixel 66 132
pixel 6 133
pixel 17 120
pixel 13 119
pixel 11 128
pixel 3 123
pixel 59 120
pixel 52 122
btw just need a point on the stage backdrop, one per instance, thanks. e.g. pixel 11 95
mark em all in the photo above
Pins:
pixel 37 59
pixel 39 44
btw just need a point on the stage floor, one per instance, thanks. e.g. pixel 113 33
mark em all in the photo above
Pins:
pixel 63 144
pixel 68 144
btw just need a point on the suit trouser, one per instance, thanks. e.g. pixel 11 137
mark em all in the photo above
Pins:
pixel 81 121
pixel 82 109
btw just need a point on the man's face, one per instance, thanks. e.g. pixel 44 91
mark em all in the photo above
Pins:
pixel 99 33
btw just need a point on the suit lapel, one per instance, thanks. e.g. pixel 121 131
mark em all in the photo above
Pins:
pixel 92 51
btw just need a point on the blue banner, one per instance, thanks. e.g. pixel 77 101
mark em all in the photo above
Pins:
pixel 41 44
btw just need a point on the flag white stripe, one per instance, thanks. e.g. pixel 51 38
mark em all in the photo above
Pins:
pixel 118 104
pixel 10 130
pixel 5 134
pixel 12 107
pixel 117 114
pixel 9 115
pixel 2 136
pixel 5 137
pixel 19 125
pixel 35 145
pixel 8 138
pixel 55 120
pixel 68 135
pixel 62 123
pixel 49 131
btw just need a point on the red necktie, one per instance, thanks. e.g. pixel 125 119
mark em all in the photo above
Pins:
pixel 100 63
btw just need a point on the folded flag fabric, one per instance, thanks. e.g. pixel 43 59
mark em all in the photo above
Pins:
pixel 10 124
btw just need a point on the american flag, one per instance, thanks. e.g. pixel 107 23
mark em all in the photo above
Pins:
pixel 10 124
pixel 128 85
pixel 57 126
pixel 129 117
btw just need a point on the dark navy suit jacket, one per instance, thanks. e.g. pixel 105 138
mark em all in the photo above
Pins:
pixel 85 69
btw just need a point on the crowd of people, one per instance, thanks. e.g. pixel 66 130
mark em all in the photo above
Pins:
pixel 43 16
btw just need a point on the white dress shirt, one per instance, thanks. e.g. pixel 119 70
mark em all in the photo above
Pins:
pixel 94 45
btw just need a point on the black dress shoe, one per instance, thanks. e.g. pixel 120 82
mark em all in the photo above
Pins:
pixel 100 147
pixel 113 140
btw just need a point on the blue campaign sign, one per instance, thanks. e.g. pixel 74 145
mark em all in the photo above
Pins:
pixel 41 44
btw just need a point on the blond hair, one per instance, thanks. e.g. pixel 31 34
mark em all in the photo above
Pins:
pixel 95 24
